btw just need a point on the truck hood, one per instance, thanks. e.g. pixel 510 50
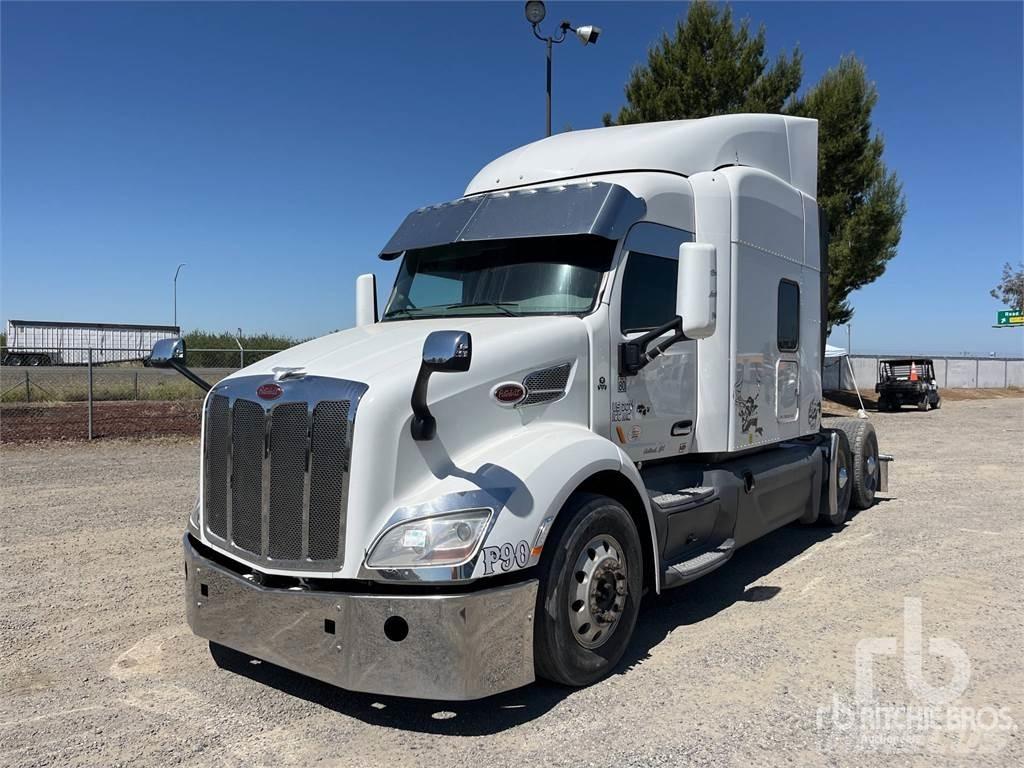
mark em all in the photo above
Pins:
pixel 378 352
pixel 389 469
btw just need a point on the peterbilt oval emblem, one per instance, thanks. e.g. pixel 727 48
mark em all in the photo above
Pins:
pixel 269 391
pixel 509 393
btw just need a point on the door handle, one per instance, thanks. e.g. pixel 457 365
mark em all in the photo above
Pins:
pixel 681 428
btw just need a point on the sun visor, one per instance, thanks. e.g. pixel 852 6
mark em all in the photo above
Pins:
pixel 593 208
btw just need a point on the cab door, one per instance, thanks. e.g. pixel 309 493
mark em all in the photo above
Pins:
pixel 653 413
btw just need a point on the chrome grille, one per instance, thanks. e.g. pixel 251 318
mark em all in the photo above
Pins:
pixel 546 385
pixel 289 425
pixel 218 444
pixel 247 439
pixel 275 474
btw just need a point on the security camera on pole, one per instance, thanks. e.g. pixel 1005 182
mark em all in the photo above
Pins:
pixel 535 13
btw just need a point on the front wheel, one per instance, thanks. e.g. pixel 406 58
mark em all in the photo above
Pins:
pixel 591 580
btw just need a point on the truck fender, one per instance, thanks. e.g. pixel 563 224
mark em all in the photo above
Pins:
pixel 550 463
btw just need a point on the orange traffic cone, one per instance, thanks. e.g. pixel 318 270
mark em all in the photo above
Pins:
pixel 913 371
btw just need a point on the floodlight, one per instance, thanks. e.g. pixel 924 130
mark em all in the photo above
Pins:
pixel 588 34
pixel 535 12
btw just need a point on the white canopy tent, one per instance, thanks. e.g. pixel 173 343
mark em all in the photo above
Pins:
pixel 836 353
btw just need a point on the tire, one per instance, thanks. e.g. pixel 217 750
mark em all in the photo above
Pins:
pixel 883 405
pixel 922 404
pixel 845 489
pixel 937 404
pixel 584 623
pixel 13 360
pixel 864 455
pixel 34 361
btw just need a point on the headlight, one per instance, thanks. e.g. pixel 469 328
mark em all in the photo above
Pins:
pixel 449 539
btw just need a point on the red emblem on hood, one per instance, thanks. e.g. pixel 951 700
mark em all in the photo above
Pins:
pixel 269 391
pixel 509 393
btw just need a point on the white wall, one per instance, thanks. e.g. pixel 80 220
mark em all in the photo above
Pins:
pixel 952 372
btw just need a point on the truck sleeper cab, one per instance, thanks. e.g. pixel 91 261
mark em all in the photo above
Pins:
pixel 588 381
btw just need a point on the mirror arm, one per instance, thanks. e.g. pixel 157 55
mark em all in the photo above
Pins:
pixel 424 425
pixel 634 355
pixel 188 374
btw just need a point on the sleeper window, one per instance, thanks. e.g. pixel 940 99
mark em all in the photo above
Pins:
pixel 648 292
pixel 789 316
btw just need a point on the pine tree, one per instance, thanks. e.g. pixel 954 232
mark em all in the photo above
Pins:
pixel 709 67
pixel 861 197
pixel 712 66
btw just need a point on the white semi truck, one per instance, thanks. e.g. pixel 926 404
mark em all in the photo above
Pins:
pixel 598 374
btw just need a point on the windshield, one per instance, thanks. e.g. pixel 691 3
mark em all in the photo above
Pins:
pixel 527 276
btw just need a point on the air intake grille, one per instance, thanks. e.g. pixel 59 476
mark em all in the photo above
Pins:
pixel 276 475
pixel 546 385
pixel 218 444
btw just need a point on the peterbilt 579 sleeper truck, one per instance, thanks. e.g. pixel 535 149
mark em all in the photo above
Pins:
pixel 598 374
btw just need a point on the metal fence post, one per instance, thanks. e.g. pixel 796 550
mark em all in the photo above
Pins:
pixel 28 389
pixel 90 393
pixel 136 385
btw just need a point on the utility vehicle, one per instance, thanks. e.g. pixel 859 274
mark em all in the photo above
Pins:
pixel 598 374
pixel 907 381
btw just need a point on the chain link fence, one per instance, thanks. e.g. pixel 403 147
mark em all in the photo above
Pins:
pixel 111 394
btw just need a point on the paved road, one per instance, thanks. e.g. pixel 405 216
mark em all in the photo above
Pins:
pixel 739 668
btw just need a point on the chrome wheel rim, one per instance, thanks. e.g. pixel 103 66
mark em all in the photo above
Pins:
pixel 844 474
pixel 871 481
pixel 598 591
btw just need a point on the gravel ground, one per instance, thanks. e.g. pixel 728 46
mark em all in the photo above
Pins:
pixel 98 667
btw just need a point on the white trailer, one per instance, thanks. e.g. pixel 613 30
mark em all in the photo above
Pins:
pixel 598 373
pixel 39 342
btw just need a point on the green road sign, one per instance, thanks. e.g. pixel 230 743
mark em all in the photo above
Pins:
pixel 1009 317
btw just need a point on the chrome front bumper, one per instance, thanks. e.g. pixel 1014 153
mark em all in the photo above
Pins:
pixel 455 647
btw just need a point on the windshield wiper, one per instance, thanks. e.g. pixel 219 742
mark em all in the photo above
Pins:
pixel 396 312
pixel 500 306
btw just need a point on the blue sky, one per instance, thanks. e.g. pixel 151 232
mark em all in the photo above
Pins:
pixel 275 147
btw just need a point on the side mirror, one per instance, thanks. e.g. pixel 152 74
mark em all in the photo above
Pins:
pixel 448 351
pixel 697 289
pixel 166 351
pixel 443 352
pixel 170 353
pixel 366 300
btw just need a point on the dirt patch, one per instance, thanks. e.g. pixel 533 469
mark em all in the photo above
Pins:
pixel 99 668
pixel 28 423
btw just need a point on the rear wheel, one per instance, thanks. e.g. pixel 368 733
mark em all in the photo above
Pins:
pixel 863 460
pixel 922 404
pixel 938 403
pixel 883 404
pixel 844 484
pixel 589 594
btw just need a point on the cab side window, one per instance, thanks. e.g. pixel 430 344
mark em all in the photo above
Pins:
pixel 648 292
pixel 789 316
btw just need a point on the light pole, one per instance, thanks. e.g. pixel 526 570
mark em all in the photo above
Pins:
pixel 176 295
pixel 535 13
